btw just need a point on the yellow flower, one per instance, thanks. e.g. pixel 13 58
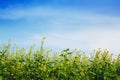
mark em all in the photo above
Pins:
pixel 3 62
pixel 5 69
pixel 67 62
pixel 8 58
pixel 43 67
pixel 12 74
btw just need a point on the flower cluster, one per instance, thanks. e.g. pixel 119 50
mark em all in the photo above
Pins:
pixel 42 64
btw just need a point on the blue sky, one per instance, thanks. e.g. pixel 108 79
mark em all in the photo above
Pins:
pixel 82 24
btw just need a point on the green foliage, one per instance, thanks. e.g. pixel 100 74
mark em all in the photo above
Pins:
pixel 19 64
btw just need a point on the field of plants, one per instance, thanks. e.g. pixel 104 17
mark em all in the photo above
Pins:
pixel 19 64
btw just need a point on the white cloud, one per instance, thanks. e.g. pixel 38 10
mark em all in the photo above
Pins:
pixel 83 40
pixel 107 36
pixel 60 19
pixel 58 15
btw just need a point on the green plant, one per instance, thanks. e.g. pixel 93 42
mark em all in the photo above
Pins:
pixel 18 64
